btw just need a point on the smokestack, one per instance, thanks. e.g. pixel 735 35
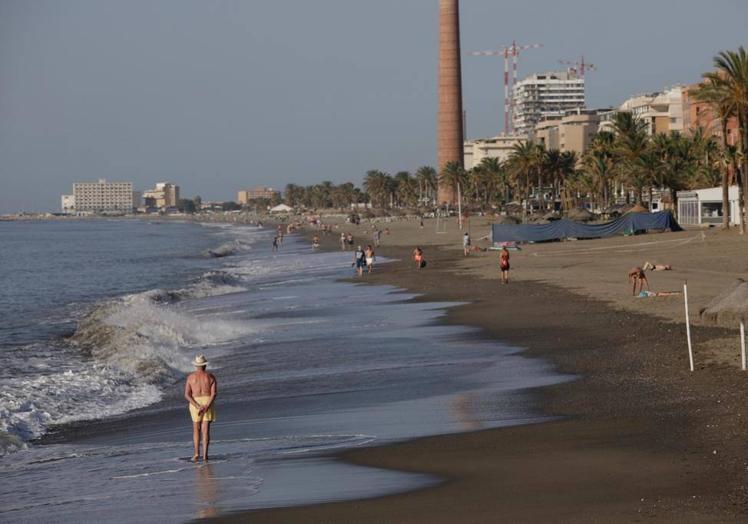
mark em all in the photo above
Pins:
pixel 450 132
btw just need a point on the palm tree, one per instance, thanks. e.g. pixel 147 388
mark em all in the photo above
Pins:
pixel 495 176
pixel 731 81
pixel 631 143
pixel 453 175
pixel 524 163
pixel 426 176
pixel 723 107
pixel 377 184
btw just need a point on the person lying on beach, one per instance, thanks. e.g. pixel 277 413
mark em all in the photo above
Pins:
pixel 649 294
pixel 200 391
pixel 637 276
pixel 649 266
pixel 418 257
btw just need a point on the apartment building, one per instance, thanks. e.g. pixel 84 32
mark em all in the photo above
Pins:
pixel 662 111
pixel 497 147
pixel 246 195
pixel 574 131
pixel 545 95
pixel 163 196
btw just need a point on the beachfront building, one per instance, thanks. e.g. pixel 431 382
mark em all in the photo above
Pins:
pixel 245 196
pixel 545 95
pixel 67 204
pixel 662 111
pixel 499 147
pixel 103 197
pixel 163 196
pixel 703 207
pixel 700 115
pixel 572 131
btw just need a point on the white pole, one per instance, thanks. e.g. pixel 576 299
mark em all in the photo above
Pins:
pixel 742 344
pixel 688 325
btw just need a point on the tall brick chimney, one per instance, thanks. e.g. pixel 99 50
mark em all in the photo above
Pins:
pixel 450 133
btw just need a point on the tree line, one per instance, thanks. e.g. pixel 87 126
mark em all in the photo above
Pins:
pixel 626 164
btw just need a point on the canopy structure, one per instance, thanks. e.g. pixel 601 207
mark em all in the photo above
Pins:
pixel 281 208
pixel 560 229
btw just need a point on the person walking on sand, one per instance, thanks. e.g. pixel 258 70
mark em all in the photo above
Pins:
pixel 418 257
pixel 359 261
pixel 343 242
pixel 466 244
pixel 200 391
pixel 504 265
pixel 369 252
pixel 275 244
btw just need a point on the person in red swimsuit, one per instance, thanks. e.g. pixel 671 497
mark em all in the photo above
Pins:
pixel 504 265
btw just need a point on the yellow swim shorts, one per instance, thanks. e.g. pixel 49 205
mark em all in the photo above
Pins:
pixel 209 415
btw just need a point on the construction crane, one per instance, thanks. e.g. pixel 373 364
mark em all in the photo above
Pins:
pixel 512 50
pixel 579 66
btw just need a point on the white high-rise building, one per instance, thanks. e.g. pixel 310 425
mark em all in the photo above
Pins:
pixel 545 95
pixel 103 197
pixel 67 204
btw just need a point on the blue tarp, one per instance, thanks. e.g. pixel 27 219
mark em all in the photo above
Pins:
pixel 560 229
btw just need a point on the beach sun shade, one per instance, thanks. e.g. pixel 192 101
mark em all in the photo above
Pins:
pixel 560 229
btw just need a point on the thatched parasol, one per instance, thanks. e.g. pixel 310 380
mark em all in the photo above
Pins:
pixel 728 308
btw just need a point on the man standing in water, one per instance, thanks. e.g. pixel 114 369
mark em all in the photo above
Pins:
pixel 200 391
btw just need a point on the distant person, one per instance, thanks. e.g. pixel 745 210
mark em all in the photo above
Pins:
pixel 649 266
pixel 418 257
pixel 369 252
pixel 359 261
pixel 504 265
pixel 200 391
pixel 343 242
pixel 466 244
pixel 349 239
pixel 275 243
pixel 377 236
pixel 421 224
pixel 315 242
pixel 637 277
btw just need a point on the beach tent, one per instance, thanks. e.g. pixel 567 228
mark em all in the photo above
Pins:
pixel 281 208
pixel 560 229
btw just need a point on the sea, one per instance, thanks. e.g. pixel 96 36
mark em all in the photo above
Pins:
pixel 100 319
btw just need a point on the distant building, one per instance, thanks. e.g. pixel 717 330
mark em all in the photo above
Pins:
pixel 103 197
pixel 545 95
pixel 662 111
pixel 67 204
pixel 698 114
pixel 573 131
pixel 243 197
pixel 497 147
pixel 163 196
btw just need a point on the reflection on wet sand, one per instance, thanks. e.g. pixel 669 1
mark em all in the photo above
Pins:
pixel 462 407
pixel 206 489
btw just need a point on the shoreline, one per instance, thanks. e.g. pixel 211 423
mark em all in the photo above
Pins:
pixel 635 438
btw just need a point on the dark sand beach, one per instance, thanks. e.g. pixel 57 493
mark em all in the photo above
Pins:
pixel 638 438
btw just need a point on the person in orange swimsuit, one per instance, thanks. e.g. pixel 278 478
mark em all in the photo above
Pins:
pixel 200 391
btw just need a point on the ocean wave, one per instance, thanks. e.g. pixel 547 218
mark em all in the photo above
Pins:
pixel 228 249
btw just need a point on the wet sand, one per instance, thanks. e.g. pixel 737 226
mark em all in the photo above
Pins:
pixel 639 437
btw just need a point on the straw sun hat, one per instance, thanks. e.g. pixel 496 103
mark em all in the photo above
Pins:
pixel 200 361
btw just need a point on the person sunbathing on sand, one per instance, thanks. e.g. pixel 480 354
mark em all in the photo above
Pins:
pixel 637 276
pixel 649 266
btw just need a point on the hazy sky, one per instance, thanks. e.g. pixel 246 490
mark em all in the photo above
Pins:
pixel 220 95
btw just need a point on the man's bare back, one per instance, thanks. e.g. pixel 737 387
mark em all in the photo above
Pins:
pixel 200 391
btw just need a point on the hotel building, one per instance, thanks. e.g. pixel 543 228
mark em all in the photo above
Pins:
pixel 103 197
pixel 163 196
pixel 245 196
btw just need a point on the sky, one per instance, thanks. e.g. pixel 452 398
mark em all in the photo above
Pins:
pixel 219 95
